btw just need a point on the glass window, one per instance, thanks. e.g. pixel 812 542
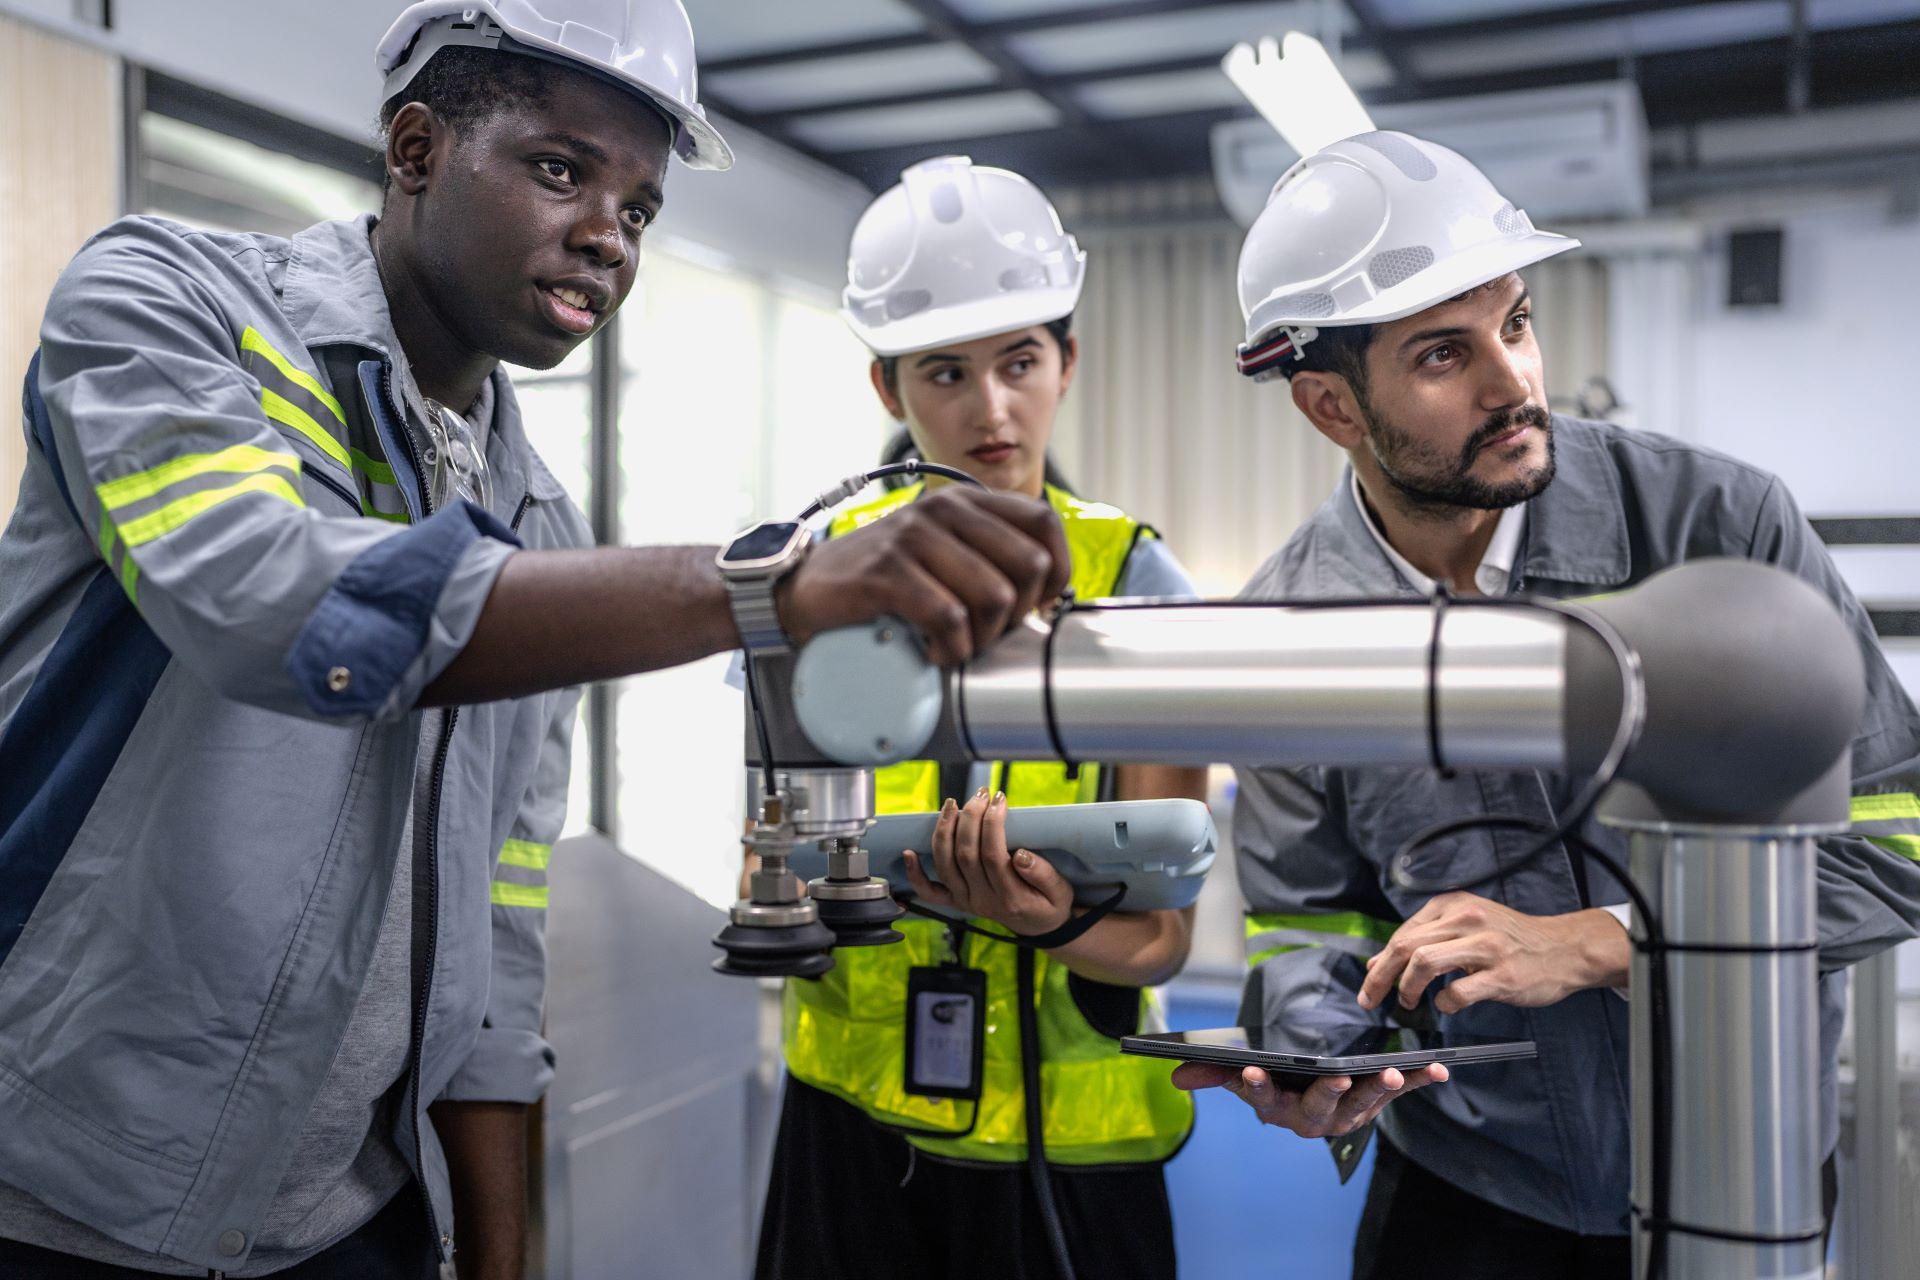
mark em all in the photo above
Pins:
pixel 556 405
pixel 208 179
pixel 741 399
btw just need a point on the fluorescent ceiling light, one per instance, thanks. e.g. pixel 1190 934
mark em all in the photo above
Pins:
pixel 1294 84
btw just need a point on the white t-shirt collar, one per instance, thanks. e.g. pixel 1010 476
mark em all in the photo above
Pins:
pixel 1495 574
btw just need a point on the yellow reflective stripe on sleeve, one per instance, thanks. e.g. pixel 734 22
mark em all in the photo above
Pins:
pixel 519 895
pixel 376 470
pixel 146 528
pixel 241 459
pixel 129 577
pixel 252 341
pixel 1905 846
pixel 1890 811
pixel 525 853
pixel 107 533
pixel 1349 924
pixel 1885 807
pixel 1295 932
pixel 285 411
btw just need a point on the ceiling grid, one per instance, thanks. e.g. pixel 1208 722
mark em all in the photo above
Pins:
pixel 1112 90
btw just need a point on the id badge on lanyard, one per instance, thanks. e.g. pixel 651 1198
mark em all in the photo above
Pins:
pixel 946 1031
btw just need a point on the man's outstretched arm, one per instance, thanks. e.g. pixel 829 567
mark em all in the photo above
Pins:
pixel 961 566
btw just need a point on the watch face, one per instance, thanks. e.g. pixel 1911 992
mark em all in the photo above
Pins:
pixel 762 542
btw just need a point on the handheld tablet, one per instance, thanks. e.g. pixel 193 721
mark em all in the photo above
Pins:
pixel 1296 1058
pixel 1160 849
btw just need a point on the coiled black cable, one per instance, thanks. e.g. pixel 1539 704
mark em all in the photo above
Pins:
pixel 1567 832
pixel 832 497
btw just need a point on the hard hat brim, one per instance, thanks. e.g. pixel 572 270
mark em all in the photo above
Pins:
pixel 948 326
pixel 1460 273
pixel 696 141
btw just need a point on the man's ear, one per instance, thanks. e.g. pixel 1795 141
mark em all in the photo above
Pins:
pixel 1328 402
pixel 888 397
pixel 413 141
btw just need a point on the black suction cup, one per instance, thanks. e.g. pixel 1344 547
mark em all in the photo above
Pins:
pixel 859 922
pixel 789 951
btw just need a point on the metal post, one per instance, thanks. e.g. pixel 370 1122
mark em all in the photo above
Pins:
pixel 1737 907
pixel 1879 1221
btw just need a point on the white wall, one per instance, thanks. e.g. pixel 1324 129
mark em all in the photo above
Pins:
pixel 774 212
pixel 1820 389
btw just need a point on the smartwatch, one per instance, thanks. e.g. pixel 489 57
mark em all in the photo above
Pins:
pixel 751 566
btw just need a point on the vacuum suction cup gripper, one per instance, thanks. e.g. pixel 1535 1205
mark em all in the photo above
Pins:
pixel 859 912
pixel 803 950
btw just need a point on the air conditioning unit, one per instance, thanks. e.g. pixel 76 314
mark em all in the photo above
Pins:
pixel 1573 152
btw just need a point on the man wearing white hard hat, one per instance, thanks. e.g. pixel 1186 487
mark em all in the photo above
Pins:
pixel 292 620
pixel 963 283
pixel 1383 281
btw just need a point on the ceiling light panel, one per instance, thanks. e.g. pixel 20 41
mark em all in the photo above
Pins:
pixel 735 28
pixel 816 81
pixel 986 116
pixel 1189 33
pixel 1614 38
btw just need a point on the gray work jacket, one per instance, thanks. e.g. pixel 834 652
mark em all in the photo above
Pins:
pixel 221 595
pixel 1547 1138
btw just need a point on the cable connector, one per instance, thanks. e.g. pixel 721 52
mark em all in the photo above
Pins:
pixel 839 493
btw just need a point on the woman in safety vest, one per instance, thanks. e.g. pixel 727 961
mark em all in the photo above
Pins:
pixel 887 1165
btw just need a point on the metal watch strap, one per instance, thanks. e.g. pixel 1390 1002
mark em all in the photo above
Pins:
pixel 755 614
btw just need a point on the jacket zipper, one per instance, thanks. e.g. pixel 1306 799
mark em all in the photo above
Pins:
pixel 423 985
pixel 423 980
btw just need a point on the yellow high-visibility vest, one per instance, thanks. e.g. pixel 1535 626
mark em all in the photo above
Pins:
pixel 845 1032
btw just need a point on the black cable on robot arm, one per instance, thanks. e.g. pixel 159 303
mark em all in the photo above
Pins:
pixel 855 483
pixel 840 493
pixel 760 726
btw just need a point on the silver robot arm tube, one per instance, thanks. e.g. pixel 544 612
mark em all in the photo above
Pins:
pixel 1259 684
pixel 1752 687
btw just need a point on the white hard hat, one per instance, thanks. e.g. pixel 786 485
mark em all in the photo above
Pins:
pixel 643 46
pixel 1370 229
pixel 958 251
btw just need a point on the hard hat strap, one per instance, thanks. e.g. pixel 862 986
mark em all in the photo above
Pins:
pixel 1259 360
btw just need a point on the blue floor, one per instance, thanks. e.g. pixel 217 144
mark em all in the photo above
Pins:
pixel 1249 1200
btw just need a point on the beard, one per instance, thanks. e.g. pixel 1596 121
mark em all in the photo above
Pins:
pixel 1431 481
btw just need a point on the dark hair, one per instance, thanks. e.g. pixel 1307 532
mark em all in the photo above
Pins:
pixel 464 86
pixel 900 447
pixel 1340 349
pixel 890 365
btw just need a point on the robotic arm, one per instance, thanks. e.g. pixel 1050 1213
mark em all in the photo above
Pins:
pixel 1719 699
